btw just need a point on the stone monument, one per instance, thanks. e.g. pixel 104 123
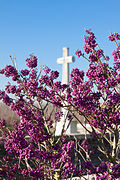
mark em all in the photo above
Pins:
pixel 75 128
pixel 65 60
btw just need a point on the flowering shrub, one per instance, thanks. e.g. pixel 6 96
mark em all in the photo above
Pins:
pixel 31 148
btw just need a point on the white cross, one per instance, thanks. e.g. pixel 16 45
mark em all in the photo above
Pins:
pixel 74 128
pixel 65 60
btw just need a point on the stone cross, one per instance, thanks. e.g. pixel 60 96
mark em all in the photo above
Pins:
pixel 65 60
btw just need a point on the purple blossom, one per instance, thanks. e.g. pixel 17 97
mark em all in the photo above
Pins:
pixel 116 55
pixel 32 61
pixel 25 172
pixel 102 168
pixel 58 115
pixel 76 76
pixel 54 74
pixel 84 145
pixel 2 122
pixel 88 165
pixel 78 53
pixel 116 171
pixel 12 89
pixel 2 71
pixel 46 69
pixel 111 37
pixel 45 80
pixel 114 37
pixel 93 58
pixel 25 72
pixel 90 42
pixel 33 74
pixel 6 99
pixel 95 55
pixel 10 71
pixel 107 58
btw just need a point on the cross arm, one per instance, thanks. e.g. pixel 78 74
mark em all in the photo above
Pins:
pixel 60 60
pixel 70 59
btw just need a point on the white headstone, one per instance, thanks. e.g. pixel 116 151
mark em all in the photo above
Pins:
pixel 65 60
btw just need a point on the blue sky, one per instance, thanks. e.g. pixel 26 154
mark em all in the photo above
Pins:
pixel 44 27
